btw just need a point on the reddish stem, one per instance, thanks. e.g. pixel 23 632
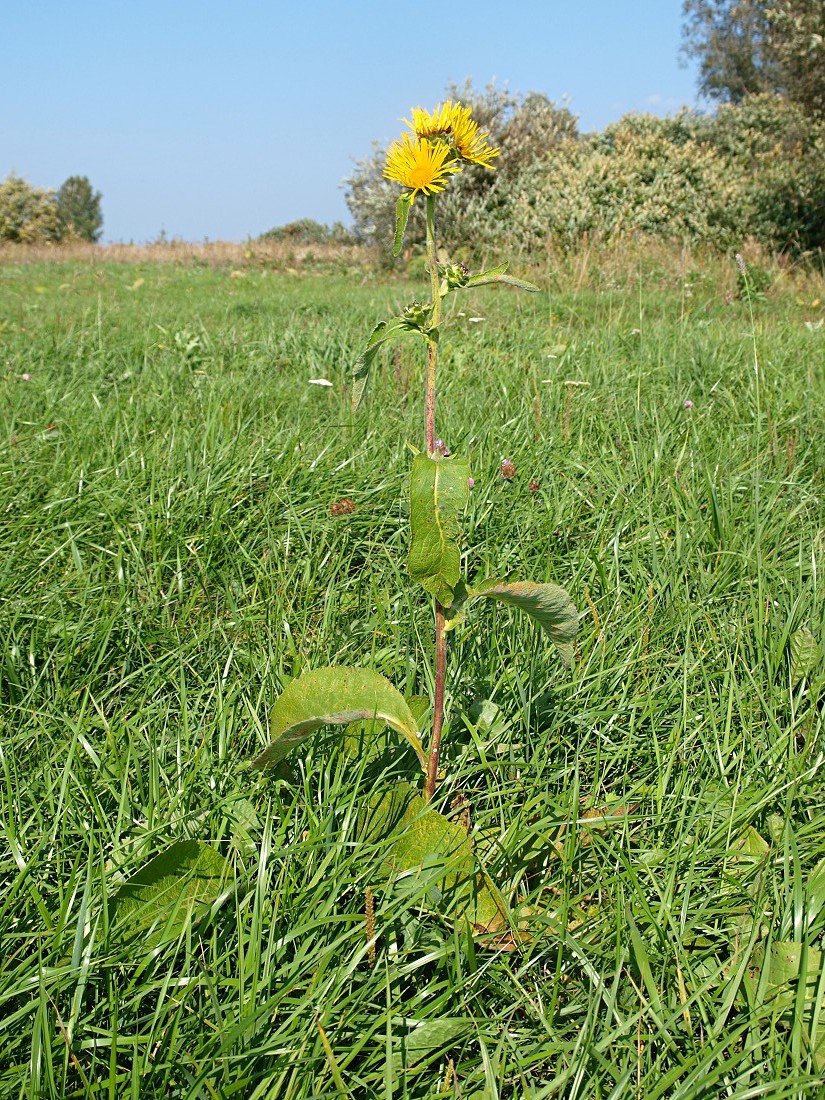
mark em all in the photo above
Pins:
pixel 438 701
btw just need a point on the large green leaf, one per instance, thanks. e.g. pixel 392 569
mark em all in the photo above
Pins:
pixel 368 739
pixel 776 978
pixel 548 604
pixel 335 696
pixel 425 1038
pixel 173 886
pixel 439 491
pixel 417 839
pixel 804 653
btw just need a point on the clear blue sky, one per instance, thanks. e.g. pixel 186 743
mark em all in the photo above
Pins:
pixel 220 120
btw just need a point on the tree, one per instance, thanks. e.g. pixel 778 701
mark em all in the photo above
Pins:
pixel 749 47
pixel 729 38
pixel 796 31
pixel 28 214
pixel 79 209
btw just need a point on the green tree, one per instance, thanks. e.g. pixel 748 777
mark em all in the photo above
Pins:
pixel 750 47
pixel 796 31
pixel 729 39
pixel 79 209
pixel 28 214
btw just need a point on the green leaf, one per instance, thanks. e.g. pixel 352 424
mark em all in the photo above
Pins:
pixel 780 966
pixel 161 897
pixel 776 977
pixel 428 1037
pixel 364 739
pixel 335 696
pixel 438 492
pixel 402 212
pixel 496 275
pixel 421 842
pixel 383 331
pixel 548 604
pixel 804 653
pixel 750 845
pixel 419 705
pixel 815 893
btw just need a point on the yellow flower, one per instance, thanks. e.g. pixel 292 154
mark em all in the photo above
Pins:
pixel 469 143
pixel 435 125
pixel 454 125
pixel 420 165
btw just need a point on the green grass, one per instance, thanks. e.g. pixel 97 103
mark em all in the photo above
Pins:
pixel 168 562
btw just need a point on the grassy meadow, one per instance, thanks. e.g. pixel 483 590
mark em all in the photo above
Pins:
pixel 169 561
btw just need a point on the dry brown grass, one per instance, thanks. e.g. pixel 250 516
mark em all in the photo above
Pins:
pixel 639 261
pixel 630 262
pixel 276 254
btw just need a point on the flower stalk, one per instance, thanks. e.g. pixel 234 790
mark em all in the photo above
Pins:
pixel 440 617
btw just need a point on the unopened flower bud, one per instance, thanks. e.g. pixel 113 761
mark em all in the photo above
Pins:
pixel 456 275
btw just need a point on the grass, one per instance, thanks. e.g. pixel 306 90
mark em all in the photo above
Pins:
pixel 168 562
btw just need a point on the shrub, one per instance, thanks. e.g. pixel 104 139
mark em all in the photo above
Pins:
pixel 307 231
pixel 755 169
pixel 779 153
pixel 28 214
pixel 642 175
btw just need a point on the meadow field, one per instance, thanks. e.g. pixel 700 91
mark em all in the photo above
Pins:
pixel 173 552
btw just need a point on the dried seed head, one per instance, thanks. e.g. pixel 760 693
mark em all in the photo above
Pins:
pixel 508 470
pixel 534 485
pixel 343 507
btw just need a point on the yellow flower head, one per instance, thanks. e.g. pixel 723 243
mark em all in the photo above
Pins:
pixel 439 124
pixel 453 124
pixel 469 143
pixel 420 165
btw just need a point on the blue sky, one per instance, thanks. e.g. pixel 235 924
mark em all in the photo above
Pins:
pixel 220 120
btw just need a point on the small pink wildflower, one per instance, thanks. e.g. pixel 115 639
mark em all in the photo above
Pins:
pixel 470 482
pixel 25 377
pixel 688 404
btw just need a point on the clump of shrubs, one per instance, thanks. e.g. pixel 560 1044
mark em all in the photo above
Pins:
pixel 307 231
pixel 28 215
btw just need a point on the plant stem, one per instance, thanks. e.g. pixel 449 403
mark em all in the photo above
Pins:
pixel 438 702
pixel 440 636
pixel 432 346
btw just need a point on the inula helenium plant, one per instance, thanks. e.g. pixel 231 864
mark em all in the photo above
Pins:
pixel 436 147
